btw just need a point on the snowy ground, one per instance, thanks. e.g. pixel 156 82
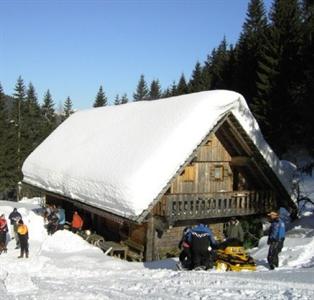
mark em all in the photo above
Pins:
pixel 64 266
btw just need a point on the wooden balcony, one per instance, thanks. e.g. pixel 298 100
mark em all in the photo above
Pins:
pixel 182 207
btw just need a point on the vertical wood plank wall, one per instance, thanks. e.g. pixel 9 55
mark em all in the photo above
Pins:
pixel 212 155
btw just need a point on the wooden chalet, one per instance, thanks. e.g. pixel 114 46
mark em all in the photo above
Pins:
pixel 231 171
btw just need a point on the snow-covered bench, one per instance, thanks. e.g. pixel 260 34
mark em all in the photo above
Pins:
pixel 135 251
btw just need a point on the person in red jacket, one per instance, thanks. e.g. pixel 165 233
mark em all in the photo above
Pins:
pixel 3 234
pixel 77 222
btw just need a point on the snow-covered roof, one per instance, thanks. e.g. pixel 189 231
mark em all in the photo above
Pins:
pixel 119 158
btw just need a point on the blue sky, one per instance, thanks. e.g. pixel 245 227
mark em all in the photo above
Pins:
pixel 73 47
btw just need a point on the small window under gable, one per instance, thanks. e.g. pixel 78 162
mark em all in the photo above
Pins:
pixel 218 173
pixel 208 143
pixel 188 174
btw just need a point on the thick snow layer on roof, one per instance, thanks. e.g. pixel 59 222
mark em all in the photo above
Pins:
pixel 119 158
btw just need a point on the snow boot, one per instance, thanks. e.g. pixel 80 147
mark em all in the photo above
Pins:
pixel 181 267
pixel 200 268
pixel 21 255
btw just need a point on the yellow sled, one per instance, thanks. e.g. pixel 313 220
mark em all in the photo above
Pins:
pixel 234 259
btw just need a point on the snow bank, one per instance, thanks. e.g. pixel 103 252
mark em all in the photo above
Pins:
pixel 119 158
pixel 298 246
pixel 64 266
pixel 66 242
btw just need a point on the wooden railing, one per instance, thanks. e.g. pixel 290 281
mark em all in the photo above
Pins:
pixel 218 205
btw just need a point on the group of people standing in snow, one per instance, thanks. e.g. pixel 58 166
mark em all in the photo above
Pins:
pixel 198 243
pixel 55 219
pixel 19 232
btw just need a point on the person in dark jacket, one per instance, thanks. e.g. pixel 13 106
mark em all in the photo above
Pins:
pixel 22 231
pixel 202 242
pixel 234 230
pixel 185 255
pixel 53 222
pixel 14 217
pixel 276 239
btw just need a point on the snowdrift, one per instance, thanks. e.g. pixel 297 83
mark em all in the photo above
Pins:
pixel 63 266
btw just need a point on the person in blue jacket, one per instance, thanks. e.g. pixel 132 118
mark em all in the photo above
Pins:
pixel 202 241
pixel 61 217
pixel 14 217
pixel 276 239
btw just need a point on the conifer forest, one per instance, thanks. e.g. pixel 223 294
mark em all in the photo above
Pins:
pixel 271 65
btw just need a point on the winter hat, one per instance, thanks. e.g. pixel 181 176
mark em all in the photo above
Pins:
pixel 273 214
pixel 15 209
pixel 21 221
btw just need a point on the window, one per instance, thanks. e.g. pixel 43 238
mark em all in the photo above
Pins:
pixel 208 143
pixel 188 174
pixel 218 172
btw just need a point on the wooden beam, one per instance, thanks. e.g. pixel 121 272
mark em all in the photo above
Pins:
pixel 150 240
pixel 98 211
pixel 225 138
pixel 240 161
pixel 239 138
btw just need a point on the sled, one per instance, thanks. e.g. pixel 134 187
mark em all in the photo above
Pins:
pixel 234 259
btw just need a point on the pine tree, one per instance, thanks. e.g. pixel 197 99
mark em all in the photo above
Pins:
pixel 67 107
pixel 48 107
pixel 249 50
pixel 182 87
pixel 308 62
pixel 280 76
pixel 141 90
pixel 166 93
pixel 173 89
pixel 230 69
pixel 117 100
pixel 32 122
pixel 101 99
pixel 31 99
pixel 155 90
pixel 19 97
pixel 3 144
pixel 196 83
pixel 48 114
pixel 217 66
pixel 17 134
pixel 124 99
